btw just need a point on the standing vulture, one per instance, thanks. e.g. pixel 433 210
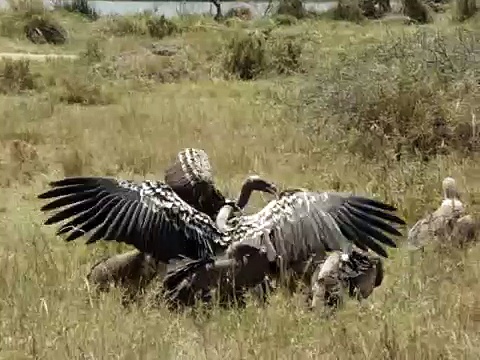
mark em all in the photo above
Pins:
pixel 449 221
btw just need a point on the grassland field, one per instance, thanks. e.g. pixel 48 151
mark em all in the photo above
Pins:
pixel 376 107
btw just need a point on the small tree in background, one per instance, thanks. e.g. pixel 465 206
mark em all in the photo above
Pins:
pixel 464 9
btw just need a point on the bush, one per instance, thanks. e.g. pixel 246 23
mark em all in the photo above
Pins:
pixel 248 55
pixel 159 27
pixel 399 99
pixel 286 52
pixel 140 24
pixel 93 52
pixel 293 8
pixel 16 77
pixel 43 29
pixel 285 19
pixel 417 10
pixel 81 85
pixel 81 7
pixel 30 19
pixel 348 10
pixel 240 12
pixel 464 9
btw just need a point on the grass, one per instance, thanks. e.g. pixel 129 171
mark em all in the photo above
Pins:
pixel 382 109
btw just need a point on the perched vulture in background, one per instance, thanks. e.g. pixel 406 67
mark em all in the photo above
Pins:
pixel 449 223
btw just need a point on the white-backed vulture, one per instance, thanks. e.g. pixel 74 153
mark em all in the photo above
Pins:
pixel 448 223
pixel 134 269
pixel 288 231
pixel 153 218
pixel 190 176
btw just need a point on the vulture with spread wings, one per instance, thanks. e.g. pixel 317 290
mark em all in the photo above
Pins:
pixel 149 215
pixel 154 219
pixel 289 230
pixel 190 176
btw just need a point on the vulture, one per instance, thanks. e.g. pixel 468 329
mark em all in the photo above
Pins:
pixel 449 222
pixel 357 277
pixel 296 227
pixel 134 270
pixel 190 176
pixel 151 216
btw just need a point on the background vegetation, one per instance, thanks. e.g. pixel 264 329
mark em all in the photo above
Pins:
pixel 375 107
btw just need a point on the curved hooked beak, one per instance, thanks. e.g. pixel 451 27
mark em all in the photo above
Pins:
pixel 272 189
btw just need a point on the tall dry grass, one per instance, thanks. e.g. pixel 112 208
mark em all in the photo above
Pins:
pixel 382 110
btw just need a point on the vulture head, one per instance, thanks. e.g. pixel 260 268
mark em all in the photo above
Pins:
pixel 449 186
pixel 256 183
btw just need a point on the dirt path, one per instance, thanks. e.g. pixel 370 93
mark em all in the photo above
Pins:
pixel 36 57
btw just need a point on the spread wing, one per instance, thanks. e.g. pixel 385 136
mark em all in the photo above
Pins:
pixel 147 215
pixel 301 223
pixel 190 176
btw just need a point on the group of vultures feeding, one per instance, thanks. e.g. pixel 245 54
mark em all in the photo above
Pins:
pixel 203 247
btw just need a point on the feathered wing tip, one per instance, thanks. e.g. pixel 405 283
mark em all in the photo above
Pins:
pixel 374 203
pixel 366 222
pixel 144 215
pixel 66 185
pixel 80 192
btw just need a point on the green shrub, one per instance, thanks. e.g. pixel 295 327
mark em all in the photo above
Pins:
pixel 293 8
pixel 249 55
pixel 399 99
pixel 16 77
pixel 80 7
pixel 417 10
pixel 145 24
pixel 464 9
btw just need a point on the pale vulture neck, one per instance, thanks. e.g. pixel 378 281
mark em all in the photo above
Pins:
pixel 451 194
pixel 223 216
pixel 227 210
